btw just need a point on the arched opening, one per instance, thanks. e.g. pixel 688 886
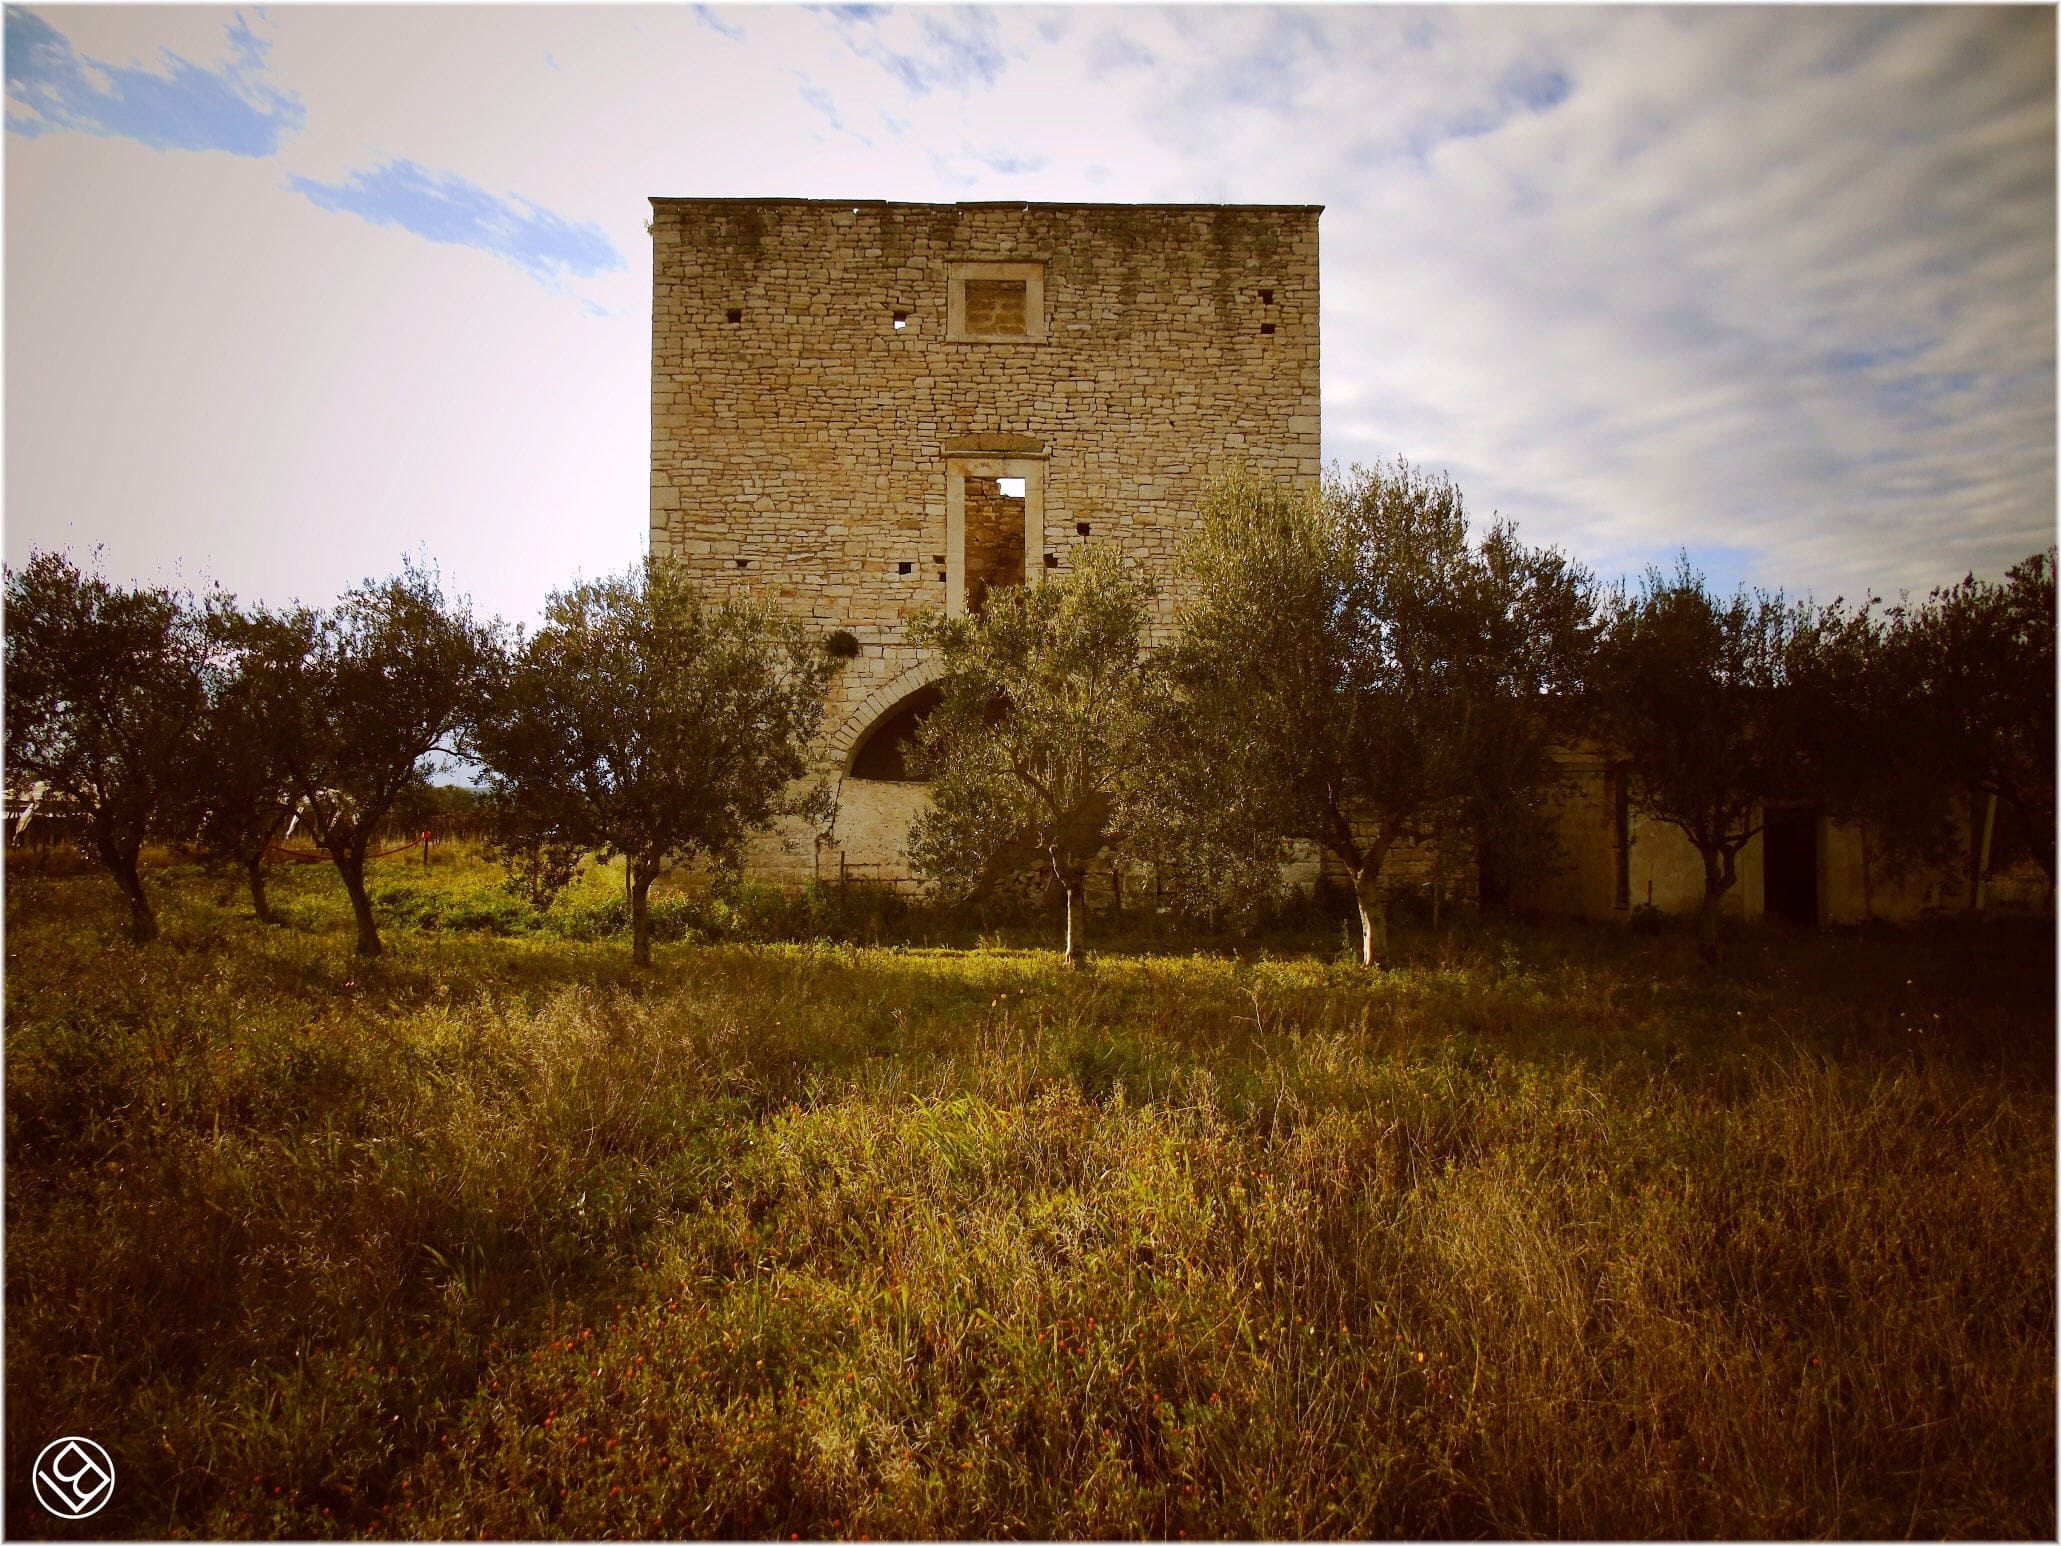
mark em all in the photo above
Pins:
pixel 887 754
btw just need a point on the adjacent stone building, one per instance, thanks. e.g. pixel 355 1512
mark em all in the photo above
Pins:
pixel 1802 866
pixel 864 409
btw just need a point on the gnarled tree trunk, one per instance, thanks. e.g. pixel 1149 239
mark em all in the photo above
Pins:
pixel 1364 865
pixel 1373 917
pixel 351 865
pixel 1076 918
pixel 120 859
pixel 641 876
pixel 261 905
pixel 1719 874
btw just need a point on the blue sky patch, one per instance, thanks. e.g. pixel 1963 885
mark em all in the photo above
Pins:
pixel 447 208
pixel 183 106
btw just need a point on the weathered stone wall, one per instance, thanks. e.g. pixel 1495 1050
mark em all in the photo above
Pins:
pixel 1665 871
pixel 803 443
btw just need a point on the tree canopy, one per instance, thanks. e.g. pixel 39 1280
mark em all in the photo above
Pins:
pixel 362 696
pixel 1039 750
pixel 1692 691
pixel 1981 690
pixel 105 698
pixel 644 720
pixel 1353 669
pixel 245 796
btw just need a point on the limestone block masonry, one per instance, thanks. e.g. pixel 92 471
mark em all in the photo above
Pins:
pixel 827 376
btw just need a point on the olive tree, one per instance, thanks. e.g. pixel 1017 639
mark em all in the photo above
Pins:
pixel 363 696
pixel 244 796
pixel 1852 709
pixel 1039 749
pixel 1982 660
pixel 105 697
pixel 646 720
pixel 1693 692
pixel 1354 672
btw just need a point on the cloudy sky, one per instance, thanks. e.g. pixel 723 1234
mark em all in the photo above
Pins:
pixel 290 292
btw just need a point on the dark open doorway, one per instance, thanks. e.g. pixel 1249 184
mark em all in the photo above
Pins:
pixel 1789 848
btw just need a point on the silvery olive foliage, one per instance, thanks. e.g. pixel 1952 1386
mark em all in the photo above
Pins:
pixel 644 719
pixel 106 693
pixel 362 696
pixel 1040 753
pixel 1354 671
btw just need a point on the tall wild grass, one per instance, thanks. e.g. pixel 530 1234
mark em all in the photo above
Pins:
pixel 1543 1233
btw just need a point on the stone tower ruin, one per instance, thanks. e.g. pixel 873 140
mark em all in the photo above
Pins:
pixel 865 409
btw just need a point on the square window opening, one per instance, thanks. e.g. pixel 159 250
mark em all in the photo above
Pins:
pixel 907 566
pixel 901 322
pixel 744 563
pixel 1081 527
pixel 998 307
pixel 1011 488
pixel 995 301
pixel 1266 297
pixel 1051 560
pixel 1266 330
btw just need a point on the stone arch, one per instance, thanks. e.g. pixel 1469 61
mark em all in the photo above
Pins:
pixel 870 837
pixel 844 742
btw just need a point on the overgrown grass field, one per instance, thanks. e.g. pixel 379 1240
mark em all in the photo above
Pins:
pixel 1545 1232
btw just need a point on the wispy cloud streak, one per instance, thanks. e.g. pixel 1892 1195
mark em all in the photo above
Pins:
pixel 182 106
pixel 443 207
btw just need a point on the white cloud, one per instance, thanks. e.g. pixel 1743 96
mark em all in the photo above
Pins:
pixel 1776 283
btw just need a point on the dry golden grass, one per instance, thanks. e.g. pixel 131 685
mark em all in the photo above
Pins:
pixel 1544 1233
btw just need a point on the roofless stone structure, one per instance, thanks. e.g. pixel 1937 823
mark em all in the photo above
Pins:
pixel 862 409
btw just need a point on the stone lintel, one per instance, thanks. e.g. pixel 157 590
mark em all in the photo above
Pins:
pixel 995 445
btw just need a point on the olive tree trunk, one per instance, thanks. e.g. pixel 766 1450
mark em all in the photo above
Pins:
pixel 1373 908
pixel 351 865
pixel 120 860
pixel 260 904
pixel 1076 917
pixel 641 877
pixel 1718 875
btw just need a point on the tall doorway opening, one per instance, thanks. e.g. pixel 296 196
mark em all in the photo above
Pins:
pixel 994 526
pixel 994 536
pixel 1789 863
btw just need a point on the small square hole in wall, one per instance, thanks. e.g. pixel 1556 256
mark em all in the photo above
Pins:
pixel 937 558
pixel 1266 297
pixel 1009 488
pixel 734 314
pixel 906 567
pixel 1266 330
pixel 1081 527
pixel 901 322
pixel 744 563
pixel 1051 560
pixel 940 574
